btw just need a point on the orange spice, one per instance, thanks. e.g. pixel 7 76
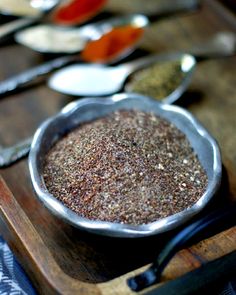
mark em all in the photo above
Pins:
pixel 77 11
pixel 111 44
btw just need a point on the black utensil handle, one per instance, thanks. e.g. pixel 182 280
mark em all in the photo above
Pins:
pixel 214 277
pixel 225 216
pixel 30 75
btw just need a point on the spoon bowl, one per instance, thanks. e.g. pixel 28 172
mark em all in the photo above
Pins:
pixel 100 80
pixel 30 12
pixel 44 5
pixel 27 8
pixel 50 39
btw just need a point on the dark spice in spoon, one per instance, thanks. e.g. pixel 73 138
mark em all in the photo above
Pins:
pixel 129 167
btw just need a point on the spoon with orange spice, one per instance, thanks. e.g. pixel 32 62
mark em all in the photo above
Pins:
pixel 112 39
pixel 114 45
pixel 28 11
pixel 124 30
pixel 66 13
pixel 75 12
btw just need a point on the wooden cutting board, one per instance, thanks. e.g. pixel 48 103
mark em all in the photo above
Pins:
pixel 61 259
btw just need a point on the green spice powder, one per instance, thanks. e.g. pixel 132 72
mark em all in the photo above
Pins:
pixel 157 81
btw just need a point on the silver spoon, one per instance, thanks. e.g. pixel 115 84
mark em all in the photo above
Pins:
pixel 44 5
pixel 28 8
pixel 39 6
pixel 221 45
pixel 99 80
pixel 10 155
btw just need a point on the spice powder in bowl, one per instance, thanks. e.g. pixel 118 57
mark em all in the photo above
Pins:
pixel 129 167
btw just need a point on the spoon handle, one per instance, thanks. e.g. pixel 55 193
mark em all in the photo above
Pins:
pixel 152 9
pixel 15 25
pixel 30 75
pixel 222 44
pixel 15 152
pixel 170 6
pixel 217 220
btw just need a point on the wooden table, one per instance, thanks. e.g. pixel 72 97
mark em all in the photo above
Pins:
pixel 61 259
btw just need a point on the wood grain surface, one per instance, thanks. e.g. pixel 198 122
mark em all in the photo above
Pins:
pixel 61 259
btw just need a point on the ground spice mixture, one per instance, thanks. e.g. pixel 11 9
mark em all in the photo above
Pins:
pixel 129 167
pixel 158 80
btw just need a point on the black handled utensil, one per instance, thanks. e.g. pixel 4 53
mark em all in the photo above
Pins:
pixel 220 219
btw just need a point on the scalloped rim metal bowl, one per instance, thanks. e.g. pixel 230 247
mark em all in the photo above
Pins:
pixel 91 108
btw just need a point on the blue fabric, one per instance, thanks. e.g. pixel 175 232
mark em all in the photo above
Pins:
pixel 13 280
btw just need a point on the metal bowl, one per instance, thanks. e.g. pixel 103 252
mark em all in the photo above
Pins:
pixel 91 108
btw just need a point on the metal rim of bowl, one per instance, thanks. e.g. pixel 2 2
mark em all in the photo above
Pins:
pixel 109 228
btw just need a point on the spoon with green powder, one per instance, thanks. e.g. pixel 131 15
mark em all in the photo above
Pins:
pixel 167 79
pixel 173 71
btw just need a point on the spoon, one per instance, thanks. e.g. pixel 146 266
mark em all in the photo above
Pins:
pixel 26 8
pixel 37 8
pixel 75 12
pixel 10 155
pixel 98 80
pixel 57 39
pixel 44 5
